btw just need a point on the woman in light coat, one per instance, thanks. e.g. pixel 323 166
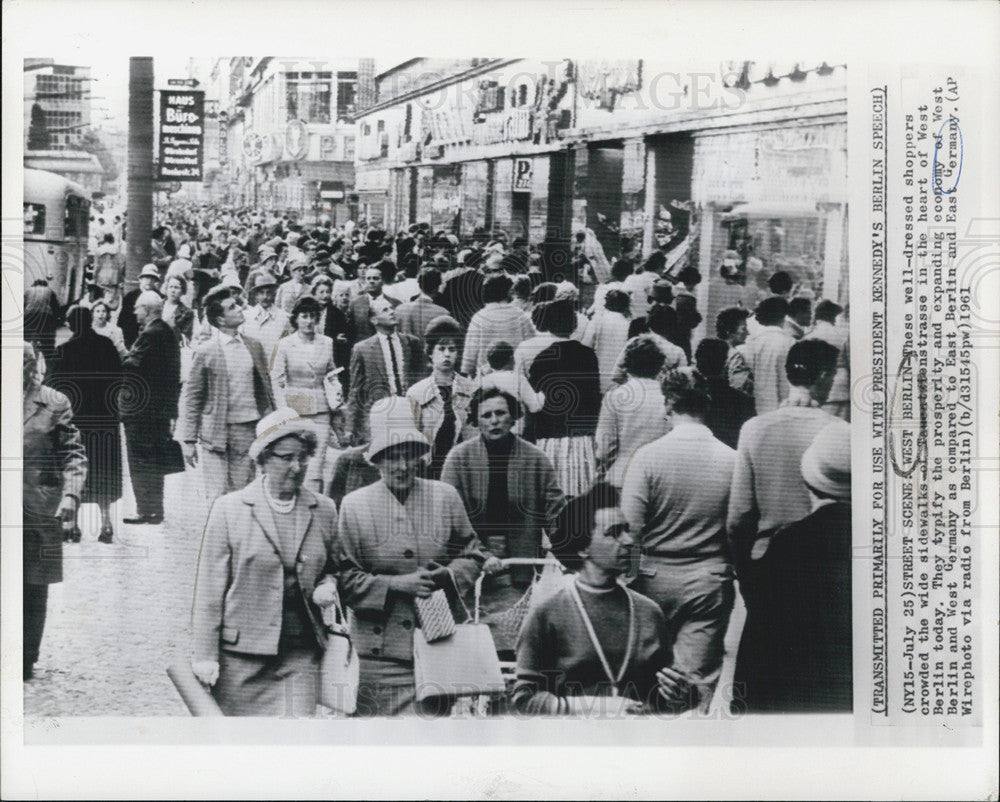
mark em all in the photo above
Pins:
pixel 257 633
pixel 302 361
pixel 400 539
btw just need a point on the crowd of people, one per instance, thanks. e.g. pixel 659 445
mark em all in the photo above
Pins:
pixel 378 417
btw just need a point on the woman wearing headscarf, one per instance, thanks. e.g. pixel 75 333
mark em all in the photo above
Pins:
pixel 594 645
pixel 795 653
pixel 257 632
pixel 567 373
pixel 301 363
pixel 53 477
pixel 87 370
pixel 400 539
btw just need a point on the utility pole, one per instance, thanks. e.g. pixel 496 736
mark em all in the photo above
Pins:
pixel 140 167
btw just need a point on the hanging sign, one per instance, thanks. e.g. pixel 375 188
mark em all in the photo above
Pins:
pixel 182 136
pixel 522 175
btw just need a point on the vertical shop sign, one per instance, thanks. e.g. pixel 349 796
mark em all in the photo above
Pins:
pixel 182 136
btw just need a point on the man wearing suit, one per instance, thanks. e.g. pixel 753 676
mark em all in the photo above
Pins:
pixel 153 368
pixel 227 392
pixel 371 283
pixel 149 279
pixel 416 314
pixel 385 364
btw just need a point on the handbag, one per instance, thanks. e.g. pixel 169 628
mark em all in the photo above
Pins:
pixel 340 670
pixel 464 664
pixel 434 614
pixel 333 390
pixel 171 457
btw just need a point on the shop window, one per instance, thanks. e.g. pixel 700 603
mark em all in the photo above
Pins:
pixel 347 89
pixel 308 96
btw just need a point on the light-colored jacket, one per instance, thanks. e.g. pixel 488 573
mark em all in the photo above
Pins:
pixel 765 353
pixel 379 538
pixel 631 416
pixel 494 323
pixel 298 371
pixel 239 589
pixel 206 393
pixel 428 407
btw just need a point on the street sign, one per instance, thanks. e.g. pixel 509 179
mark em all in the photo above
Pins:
pixel 191 82
pixel 182 135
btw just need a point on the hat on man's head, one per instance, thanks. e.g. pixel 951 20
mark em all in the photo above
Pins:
pixel 661 292
pixel 151 271
pixel 280 423
pixel 392 423
pixel 826 464
pixel 259 280
pixel 266 253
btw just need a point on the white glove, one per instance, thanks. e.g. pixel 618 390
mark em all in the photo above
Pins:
pixel 207 671
pixel 325 593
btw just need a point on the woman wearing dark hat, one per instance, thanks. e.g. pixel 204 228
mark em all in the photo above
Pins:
pixel 257 634
pixel 302 361
pixel 87 369
pixel 594 646
pixel 400 539
pixel 795 651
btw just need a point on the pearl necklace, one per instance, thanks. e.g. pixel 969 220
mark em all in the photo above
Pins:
pixel 277 504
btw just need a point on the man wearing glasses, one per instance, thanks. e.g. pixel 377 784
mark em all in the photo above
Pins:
pixel 227 392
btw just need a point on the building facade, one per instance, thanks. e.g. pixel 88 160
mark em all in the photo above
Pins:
pixel 742 157
pixel 283 137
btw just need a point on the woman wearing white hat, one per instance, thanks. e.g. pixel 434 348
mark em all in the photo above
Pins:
pixel 257 634
pixel 400 539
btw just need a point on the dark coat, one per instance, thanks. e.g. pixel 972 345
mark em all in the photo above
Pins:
pixel 55 465
pixel 462 296
pixel 568 374
pixel 126 317
pixel 88 371
pixel 795 652
pixel 728 410
pixel 153 375
pixel 340 328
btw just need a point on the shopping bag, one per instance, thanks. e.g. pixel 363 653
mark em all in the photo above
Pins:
pixel 340 669
pixel 434 615
pixel 465 664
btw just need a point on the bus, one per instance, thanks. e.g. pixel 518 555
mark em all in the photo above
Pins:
pixel 56 218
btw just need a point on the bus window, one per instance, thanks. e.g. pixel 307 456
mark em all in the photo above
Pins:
pixel 77 214
pixel 34 218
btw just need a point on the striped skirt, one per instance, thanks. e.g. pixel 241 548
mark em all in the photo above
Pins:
pixel 574 461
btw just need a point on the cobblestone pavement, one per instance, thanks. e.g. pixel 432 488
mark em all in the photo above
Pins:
pixel 122 613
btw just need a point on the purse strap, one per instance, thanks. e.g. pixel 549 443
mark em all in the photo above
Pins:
pixel 615 681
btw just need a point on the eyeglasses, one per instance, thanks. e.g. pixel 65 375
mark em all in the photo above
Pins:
pixel 288 459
